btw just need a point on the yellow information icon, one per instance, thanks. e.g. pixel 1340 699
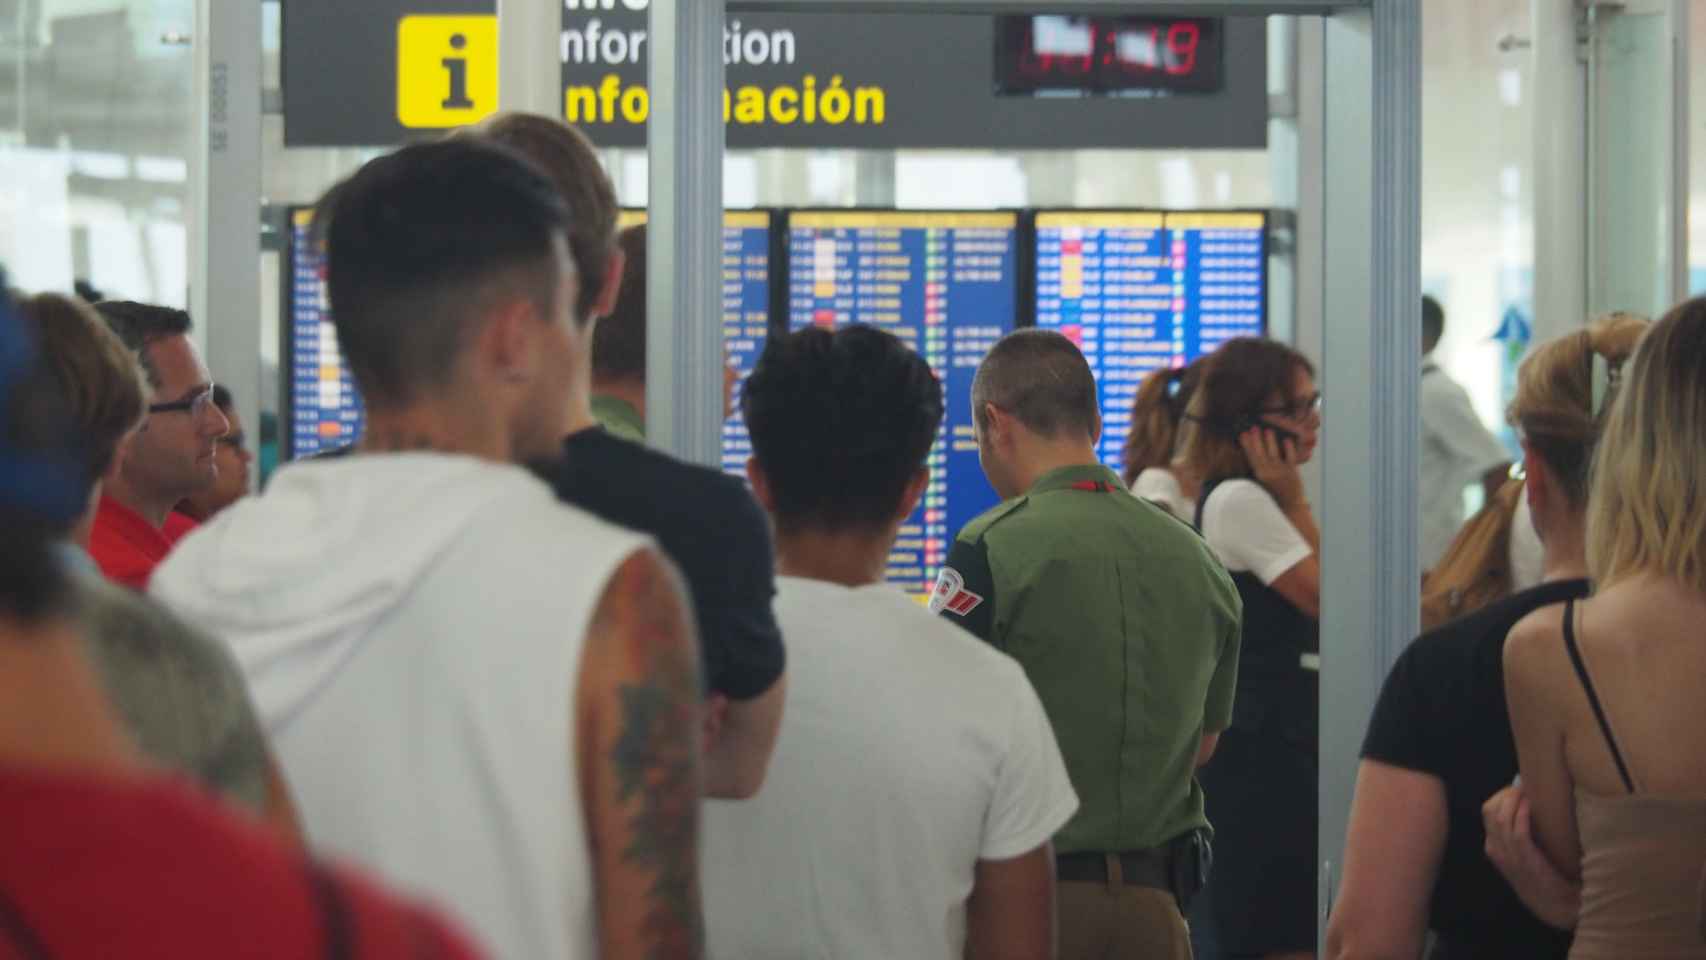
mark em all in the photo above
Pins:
pixel 447 70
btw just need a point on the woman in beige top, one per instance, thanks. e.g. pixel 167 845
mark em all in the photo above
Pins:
pixel 1605 695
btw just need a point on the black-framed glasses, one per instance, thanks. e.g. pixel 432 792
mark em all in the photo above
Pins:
pixel 195 406
pixel 1296 411
pixel 233 440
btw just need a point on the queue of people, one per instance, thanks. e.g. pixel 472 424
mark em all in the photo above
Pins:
pixel 579 699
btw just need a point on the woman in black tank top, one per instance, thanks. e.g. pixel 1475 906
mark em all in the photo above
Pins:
pixel 1253 421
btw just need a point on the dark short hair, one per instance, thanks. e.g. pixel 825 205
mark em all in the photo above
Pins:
pixel 420 243
pixel 841 422
pixel 140 324
pixel 1042 379
pixel 569 158
pixel 1433 320
pixel 95 377
pixel 619 344
pixel 222 398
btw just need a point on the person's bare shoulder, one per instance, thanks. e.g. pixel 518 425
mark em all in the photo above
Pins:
pixel 1534 651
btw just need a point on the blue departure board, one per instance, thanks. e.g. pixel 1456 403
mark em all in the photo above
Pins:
pixel 324 408
pixel 947 285
pixel 1139 291
pixel 746 313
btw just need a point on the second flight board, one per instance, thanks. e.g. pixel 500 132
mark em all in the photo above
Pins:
pixel 947 285
pixel 1139 291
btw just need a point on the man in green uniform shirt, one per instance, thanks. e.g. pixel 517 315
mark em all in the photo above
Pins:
pixel 1128 628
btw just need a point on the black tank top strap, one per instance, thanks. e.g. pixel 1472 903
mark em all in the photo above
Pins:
pixel 1581 666
pixel 1202 500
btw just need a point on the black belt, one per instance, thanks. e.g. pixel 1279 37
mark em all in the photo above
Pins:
pixel 1140 868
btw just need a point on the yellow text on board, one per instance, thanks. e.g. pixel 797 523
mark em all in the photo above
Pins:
pixel 447 70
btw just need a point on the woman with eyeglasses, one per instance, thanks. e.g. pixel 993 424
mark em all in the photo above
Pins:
pixel 1440 742
pixel 1253 420
pixel 232 456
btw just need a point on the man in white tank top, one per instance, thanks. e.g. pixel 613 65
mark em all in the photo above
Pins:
pixel 916 784
pixel 485 696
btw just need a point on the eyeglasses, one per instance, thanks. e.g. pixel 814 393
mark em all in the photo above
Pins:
pixel 195 406
pixel 232 440
pixel 1296 411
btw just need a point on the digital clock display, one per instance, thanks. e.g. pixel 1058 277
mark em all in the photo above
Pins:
pixel 1087 55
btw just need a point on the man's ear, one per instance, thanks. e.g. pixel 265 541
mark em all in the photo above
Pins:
pixel 507 340
pixel 760 485
pixel 607 294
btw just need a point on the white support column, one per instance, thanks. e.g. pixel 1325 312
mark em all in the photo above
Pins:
pixel 225 196
pixel 530 69
pixel 1561 237
pixel 684 283
pixel 1373 377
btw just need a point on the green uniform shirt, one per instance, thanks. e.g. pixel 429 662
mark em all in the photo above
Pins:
pixel 1128 628
pixel 619 417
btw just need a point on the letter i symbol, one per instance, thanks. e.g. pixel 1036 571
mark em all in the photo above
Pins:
pixel 457 67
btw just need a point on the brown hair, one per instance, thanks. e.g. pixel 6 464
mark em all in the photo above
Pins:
pixel 1476 569
pixel 1648 511
pixel 1554 404
pixel 1236 383
pixel 99 378
pixel 619 343
pixel 569 158
pixel 1155 414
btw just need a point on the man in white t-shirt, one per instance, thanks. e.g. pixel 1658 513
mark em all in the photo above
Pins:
pixel 487 697
pixel 916 783
pixel 1457 449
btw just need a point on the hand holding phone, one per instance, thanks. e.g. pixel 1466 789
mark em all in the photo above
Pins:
pixel 1273 455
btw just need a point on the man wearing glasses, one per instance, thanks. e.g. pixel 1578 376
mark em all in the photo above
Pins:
pixel 233 458
pixel 171 456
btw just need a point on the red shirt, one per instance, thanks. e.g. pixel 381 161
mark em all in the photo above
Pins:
pixel 178 525
pixel 126 547
pixel 143 868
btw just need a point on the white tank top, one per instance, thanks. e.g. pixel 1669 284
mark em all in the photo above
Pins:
pixel 440 755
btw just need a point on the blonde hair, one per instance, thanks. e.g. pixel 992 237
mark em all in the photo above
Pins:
pixel 1555 406
pixel 1555 410
pixel 1648 510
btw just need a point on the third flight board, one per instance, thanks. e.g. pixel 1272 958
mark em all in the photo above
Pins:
pixel 1138 291
pixel 947 285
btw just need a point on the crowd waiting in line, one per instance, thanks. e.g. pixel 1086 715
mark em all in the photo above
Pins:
pixel 568 697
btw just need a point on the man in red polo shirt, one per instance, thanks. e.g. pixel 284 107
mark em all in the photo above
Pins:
pixel 170 457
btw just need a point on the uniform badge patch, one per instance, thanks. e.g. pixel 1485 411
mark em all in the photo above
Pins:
pixel 951 594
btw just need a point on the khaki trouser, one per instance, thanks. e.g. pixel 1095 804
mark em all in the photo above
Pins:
pixel 1115 921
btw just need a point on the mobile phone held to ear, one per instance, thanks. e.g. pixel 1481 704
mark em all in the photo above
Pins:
pixel 1280 434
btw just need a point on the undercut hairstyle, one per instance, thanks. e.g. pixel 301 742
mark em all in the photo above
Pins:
pixel 1239 381
pixel 1554 403
pixel 140 324
pixel 1043 381
pixel 421 244
pixel 569 158
pixel 1433 323
pixel 619 343
pixel 98 380
pixel 841 423
pixel 1647 514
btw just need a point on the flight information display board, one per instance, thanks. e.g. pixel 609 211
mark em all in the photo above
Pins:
pixel 746 312
pixel 946 284
pixel 323 408
pixel 1142 290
